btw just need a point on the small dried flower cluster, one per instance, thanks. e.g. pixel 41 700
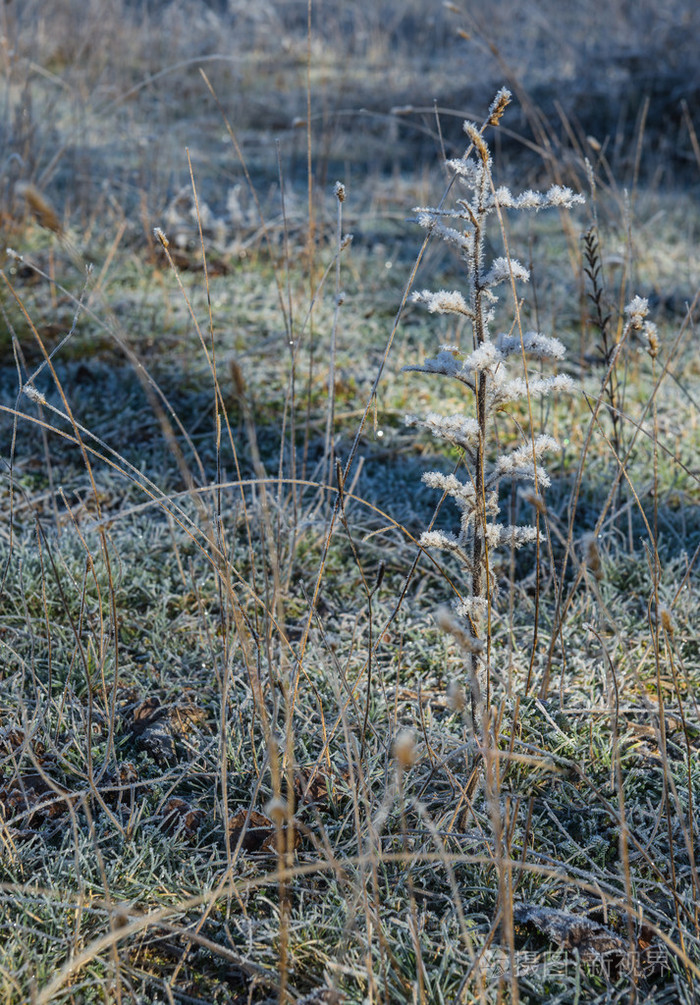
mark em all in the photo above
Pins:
pixel 636 311
pixel 484 372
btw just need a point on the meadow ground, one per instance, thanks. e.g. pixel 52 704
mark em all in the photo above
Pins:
pixel 237 761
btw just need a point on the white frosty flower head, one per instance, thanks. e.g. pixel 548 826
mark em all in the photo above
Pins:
pixel 557 195
pixel 516 537
pixel 529 200
pixel 425 218
pixel 512 389
pixel 532 342
pixel 560 195
pixel 442 302
pixel 444 363
pixel 486 357
pixel 33 394
pixel 439 540
pixel 339 191
pixel 492 534
pixel 502 197
pixel 405 751
pixel 473 608
pixel 466 170
pixel 637 310
pixel 520 463
pixel 462 492
pixel 458 429
pixel 501 270
pixel 497 534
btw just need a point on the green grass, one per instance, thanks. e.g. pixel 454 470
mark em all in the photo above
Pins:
pixel 182 639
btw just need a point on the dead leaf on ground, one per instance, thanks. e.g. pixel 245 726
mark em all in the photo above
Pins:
pixel 572 931
pixel 117 783
pixel 179 816
pixel 258 834
pixel 149 722
pixel 186 714
pixel 146 713
pixel 318 786
pixel 158 741
pixel 30 797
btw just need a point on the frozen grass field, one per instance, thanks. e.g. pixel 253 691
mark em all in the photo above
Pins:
pixel 240 756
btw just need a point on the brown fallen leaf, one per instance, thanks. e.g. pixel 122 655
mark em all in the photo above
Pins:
pixel 30 797
pixel 314 785
pixel 258 834
pixel 145 714
pixel 180 816
pixel 117 783
pixel 150 725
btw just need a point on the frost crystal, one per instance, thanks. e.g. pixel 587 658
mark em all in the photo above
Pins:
pixel 443 302
pixel 457 429
pixel 472 608
pixel 444 363
pixel 636 310
pixel 462 492
pixel 486 357
pixel 532 342
pixel 501 269
pixel 438 539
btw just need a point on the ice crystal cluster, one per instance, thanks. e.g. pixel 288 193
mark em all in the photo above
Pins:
pixel 485 372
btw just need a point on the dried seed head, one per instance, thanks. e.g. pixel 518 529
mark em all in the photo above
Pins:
pixel 456 698
pixel 592 555
pixel 665 619
pixel 276 809
pixel 34 394
pixel 499 105
pixel 466 641
pixel 237 379
pixel 120 916
pixel 40 206
pixel 478 141
pixel 652 337
pixel 535 499
pixel 637 310
pixel 339 191
pixel 405 752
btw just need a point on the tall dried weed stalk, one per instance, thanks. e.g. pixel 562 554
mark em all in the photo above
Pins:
pixel 486 375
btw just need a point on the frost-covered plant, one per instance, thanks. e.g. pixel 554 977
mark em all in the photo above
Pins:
pixel 485 373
